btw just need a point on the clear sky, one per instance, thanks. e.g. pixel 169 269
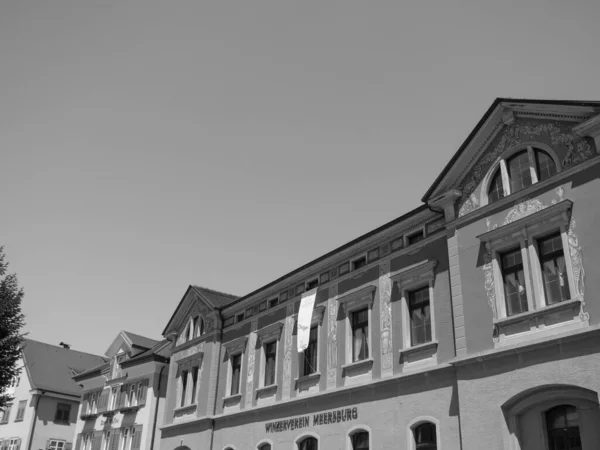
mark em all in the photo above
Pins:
pixel 148 145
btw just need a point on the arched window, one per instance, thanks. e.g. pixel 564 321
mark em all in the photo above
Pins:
pixel 425 436
pixel 562 423
pixel 265 446
pixel 309 443
pixel 360 440
pixel 522 169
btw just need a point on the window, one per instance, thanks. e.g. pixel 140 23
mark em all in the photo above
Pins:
pixel 358 263
pixel 236 368
pixel 126 438
pixel 132 398
pixel 415 237
pixel 273 302
pixel 360 440
pixel 184 379
pixel 513 277
pixel 309 443
pixel 420 316
pixel 239 317
pixel 106 441
pixel 312 284
pixel 198 326
pixel 63 412
pixel 554 269
pixel 270 350
pixel 522 169
pixel 21 410
pixel 264 447
pixel 360 334
pixel 140 390
pixel 194 383
pixel 309 356
pixel 113 399
pixel 425 436
pixel 93 404
pixel 563 428
pixel 6 414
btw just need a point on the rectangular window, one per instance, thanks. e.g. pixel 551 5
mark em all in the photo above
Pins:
pixel 420 316
pixel 5 414
pixel 184 379
pixel 106 443
pixel 194 383
pixel 415 237
pixel 360 334
pixel 513 277
pixel 63 412
pixel 113 399
pixel 239 317
pixel 21 410
pixel 358 263
pixel 55 444
pixel 236 368
pixel 229 321
pixel 132 395
pixel 270 358
pixel 310 354
pixel 554 270
pixel 125 439
pixel 273 302
pixel 140 388
pixel 93 404
pixel 312 284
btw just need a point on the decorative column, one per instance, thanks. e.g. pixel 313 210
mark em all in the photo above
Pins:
pixel 332 337
pixel 251 357
pixel 288 351
pixel 385 302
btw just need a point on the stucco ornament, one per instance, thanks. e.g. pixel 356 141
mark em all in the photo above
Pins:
pixel 524 208
pixel 251 352
pixel 578 150
pixel 488 273
pixel 288 348
pixel 576 255
pixel 385 300
pixel 332 336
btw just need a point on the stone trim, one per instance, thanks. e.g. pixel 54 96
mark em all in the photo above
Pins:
pixel 270 333
pixel 236 346
pixel 354 299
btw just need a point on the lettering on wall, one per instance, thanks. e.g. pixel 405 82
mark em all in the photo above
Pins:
pixel 325 418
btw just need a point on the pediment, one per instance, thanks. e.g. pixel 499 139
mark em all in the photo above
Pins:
pixel 119 345
pixel 191 305
pixel 509 123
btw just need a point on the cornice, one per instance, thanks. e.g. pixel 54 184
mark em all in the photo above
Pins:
pixel 590 127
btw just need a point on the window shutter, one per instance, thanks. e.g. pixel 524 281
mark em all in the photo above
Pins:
pixel 97 440
pixel 114 440
pixel 137 438
pixel 103 401
pixel 142 399
pixel 122 396
pixel 78 442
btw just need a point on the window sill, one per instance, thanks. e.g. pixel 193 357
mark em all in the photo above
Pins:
pixel 129 409
pixel 18 420
pixel 266 391
pixel 521 326
pixel 357 368
pixel 110 413
pixel 419 352
pixel 88 416
pixel 185 410
pixel 232 400
pixel 306 381
pixel 61 422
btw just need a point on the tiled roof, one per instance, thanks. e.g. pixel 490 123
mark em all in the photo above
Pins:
pixel 140 341
pixel 218 299
pixel 52 367
pixel 161 349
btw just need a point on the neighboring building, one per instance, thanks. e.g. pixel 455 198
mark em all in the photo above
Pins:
pixel 466 323
pixel 44 411
pixel 123 399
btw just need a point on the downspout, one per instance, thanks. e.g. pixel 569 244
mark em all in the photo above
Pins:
pixel 35 408
pixel 212 428
pixel 156 409
pixel 460 440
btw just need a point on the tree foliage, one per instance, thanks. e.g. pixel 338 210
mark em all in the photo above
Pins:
pixel 11 323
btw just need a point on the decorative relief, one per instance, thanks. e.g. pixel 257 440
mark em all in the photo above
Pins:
pixel 489 280
pixel 332 336
pixel 385 296
pixel 251 355
pixel 385 249
pixel 288 350
pixel 524 208
pixel 576 255
pixel 578 148
pixel 334 273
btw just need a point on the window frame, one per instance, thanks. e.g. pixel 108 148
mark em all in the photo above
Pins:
pixel 500 166
pixel 268 335
pixel 56 445
pixel 21 408
pixel 410 297
pixel 420 230
pixel 68 409
pixel 417 421
pixel 304 436
pixel 357 429
pixel 234 348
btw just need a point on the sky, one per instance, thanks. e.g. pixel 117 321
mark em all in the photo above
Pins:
pixel 146 146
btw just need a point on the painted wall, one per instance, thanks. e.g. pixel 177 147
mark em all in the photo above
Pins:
pixel 46 428
pixel 22 428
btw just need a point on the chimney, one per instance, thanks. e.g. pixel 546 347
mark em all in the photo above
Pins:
pixel 64 345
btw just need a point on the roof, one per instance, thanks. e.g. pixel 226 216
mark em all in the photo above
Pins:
pixel 51 367
pixel 218 299
pixel 159 352
pixel 140 341
pixel 481 122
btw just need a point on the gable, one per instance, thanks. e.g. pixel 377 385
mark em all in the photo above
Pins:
pixel 192 304
pixel 507 123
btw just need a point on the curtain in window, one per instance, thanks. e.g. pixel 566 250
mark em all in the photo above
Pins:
pixel 360 335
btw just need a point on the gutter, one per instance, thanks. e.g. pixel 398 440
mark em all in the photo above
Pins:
pixel 35 409
pixel 156 410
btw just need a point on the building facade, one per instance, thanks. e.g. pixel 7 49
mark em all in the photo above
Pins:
pixel 46 399
pixel 470 322
pixel 123 399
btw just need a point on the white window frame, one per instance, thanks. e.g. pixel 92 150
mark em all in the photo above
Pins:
pixel 114 395
pixel 126 438
pixel 411 444
pixel 316 320
pixel 93 404
pixel 268 335
pixel 234 348
pixel 188 365
pixel 351 302
pixel 106 440
pixel 131 397
pixel 500 164
pixel 138 392
pixel 525 233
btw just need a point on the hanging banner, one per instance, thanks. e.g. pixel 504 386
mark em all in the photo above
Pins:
pixel 305 317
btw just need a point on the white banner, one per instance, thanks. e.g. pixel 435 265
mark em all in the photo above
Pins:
pixel 305 317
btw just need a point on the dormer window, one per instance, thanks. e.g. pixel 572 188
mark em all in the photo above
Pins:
pixel 520 170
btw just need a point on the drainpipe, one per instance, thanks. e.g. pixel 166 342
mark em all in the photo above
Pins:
pixel 212 428
pixel 156 410
pixel 35 408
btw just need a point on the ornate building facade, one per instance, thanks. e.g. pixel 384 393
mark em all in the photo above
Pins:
pixel 467 323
